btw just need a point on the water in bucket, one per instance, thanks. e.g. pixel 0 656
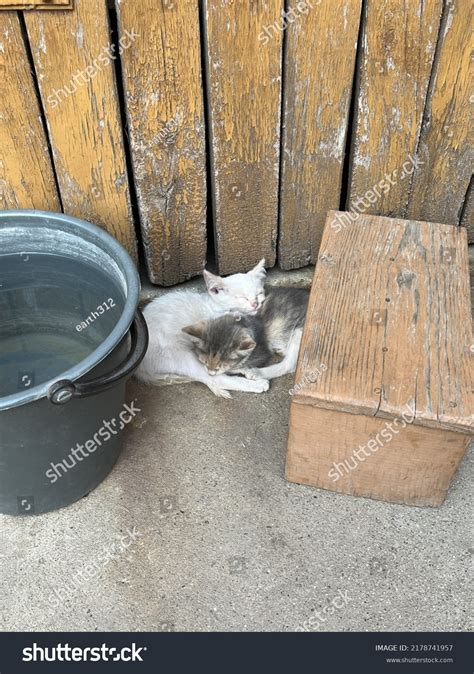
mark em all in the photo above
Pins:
pixel 54 311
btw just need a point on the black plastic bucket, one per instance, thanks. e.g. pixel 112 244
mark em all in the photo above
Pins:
pixel 70 336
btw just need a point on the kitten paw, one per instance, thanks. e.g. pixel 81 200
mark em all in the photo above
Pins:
pixel 220 392
pixel 259 385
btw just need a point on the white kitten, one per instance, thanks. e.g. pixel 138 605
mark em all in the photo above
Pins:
pixel 170 356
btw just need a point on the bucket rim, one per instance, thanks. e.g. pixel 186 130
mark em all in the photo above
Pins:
pixel 112 248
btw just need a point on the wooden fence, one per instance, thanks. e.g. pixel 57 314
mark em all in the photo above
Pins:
pixel 228 128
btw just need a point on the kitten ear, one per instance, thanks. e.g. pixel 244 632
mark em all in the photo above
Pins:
pixel 259 269
pixel 213 283
pixel 247 344
pixel 196 331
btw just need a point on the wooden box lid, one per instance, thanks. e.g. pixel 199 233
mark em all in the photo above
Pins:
pixel 389 329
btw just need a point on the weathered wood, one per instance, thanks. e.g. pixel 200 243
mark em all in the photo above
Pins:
pixel 244 77
pixel 36 4
pixel 164 100
pixel 471 274
pixel 74 65
pixel 445 149
pixel 319 67
pixel 388 326
pixel 362 456
pixel 389 317
pixel 467 219
pixel 26 174
pixel 399 44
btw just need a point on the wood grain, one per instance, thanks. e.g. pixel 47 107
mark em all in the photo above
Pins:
pixel 36 4
pixel 363 456
pixel 164 99
pixel 445 148
pixel 471 274
pixel 389 318
pixel 244 78
pixel 467 219
pixel 77 83
pixel 26 174
pixel 319 67
pixel 399 44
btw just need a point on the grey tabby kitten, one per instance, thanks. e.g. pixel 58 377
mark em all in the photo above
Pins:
pixel 246 344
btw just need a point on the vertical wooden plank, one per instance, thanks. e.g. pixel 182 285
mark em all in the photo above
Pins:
pixel 467 219
pixel 26 174
pixel 445 150
pixel 244 78
pixel 320 56
pixel 471 274
pixel 74 63
pixel 399 43
pixel 164 98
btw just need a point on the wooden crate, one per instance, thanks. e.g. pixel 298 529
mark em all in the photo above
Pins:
pixel 383 404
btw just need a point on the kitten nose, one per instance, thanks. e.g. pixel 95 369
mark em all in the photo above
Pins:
pixel 254 305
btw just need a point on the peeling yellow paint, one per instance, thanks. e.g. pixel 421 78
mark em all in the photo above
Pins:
pixel 245 96
pixel 395 69
pixel 26 178
pixel 320 61
pixel 164 98
pixel 89 157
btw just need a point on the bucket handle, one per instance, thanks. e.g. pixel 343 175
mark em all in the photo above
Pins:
pixel 64 390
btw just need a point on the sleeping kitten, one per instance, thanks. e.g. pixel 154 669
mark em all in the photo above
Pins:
pixel 231 343
pixel 170 356
pixel 245 344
